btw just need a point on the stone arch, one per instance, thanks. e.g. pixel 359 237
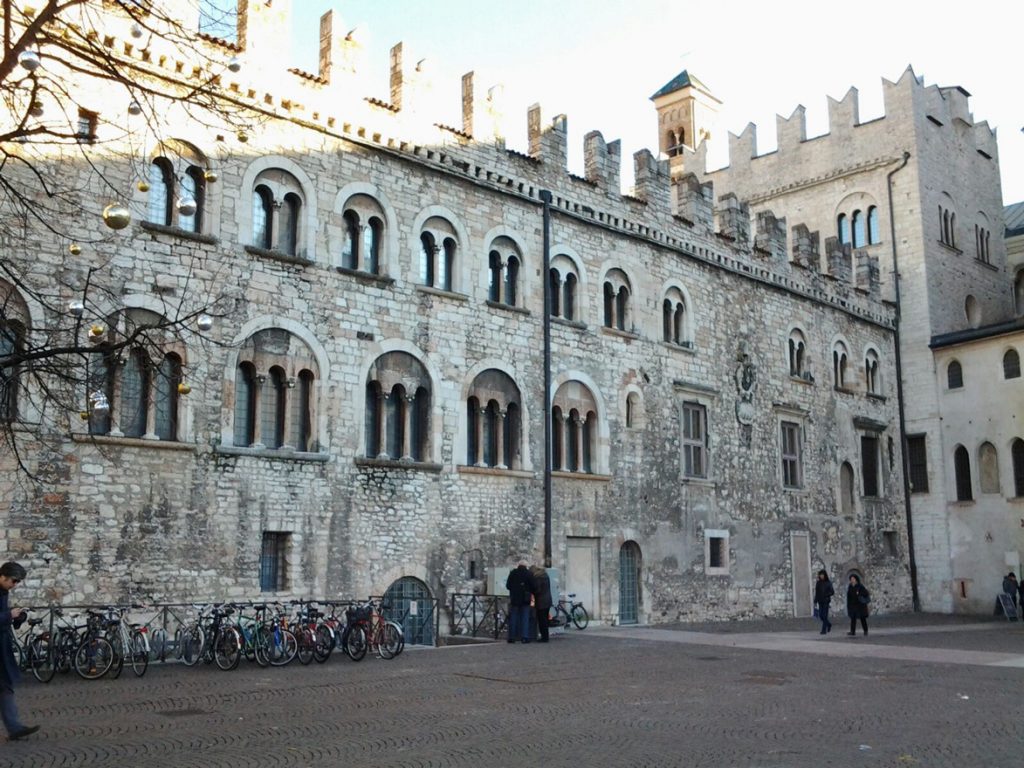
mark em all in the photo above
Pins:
pixel 524 405
pixel 243 210
pixel 632 412
pixel 988 468
pixel 601 457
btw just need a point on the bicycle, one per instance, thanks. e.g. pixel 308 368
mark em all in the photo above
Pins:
pixel 568 609
pixel 367 629
pixel 128 641
pixel 94 655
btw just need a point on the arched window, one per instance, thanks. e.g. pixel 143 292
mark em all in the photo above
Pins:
pixel 988 468
pixel 562 283
pixel 438 254
pixel 840 358
pixel 493 424
pixel 428 255
pixel 972 311
pixel 278 212
pixel 511 281
pixel 962 471
pixel 262 217
pixel 134 394
pixel 576 410
pixel 632 410
pixel 1011 364
pixel 503 262
pixel 363 235
pixel 289 228
pixel 165 388
pixel 161 192
pixel 1017 456
pixel 101 383
pixel 245 405
pixel 401 386
pixel 629 583
pixel 954 375
pixel 874 231
pixel 448 265
pixel 12 341
pixel 871 372
pixel 616 301
pixel 275 393
pixel 858 229
pixel 843 229
pixel 494 265
pixel 673 318
pixel 797 347
pixel 192 188
pixel 350 241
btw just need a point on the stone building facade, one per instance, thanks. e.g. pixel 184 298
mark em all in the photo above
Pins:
pixel 369 412
pixel 918 190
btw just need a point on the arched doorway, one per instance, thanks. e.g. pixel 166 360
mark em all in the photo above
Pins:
pixel 629 583
pixel 409 603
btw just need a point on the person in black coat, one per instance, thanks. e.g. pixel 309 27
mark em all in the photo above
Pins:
pixel 823 592
pixel 857 599
pixel 11 575
pixel 541 600
pixel 520 588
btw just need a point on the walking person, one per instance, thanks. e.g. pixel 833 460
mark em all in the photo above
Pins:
pixel 542 600
pixel 11 575
pixel 823 592
pixel 1010 586
pixel 520 589
pixel 857 599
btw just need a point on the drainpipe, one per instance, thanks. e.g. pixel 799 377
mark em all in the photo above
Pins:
pixel 545 196
pixel 899 390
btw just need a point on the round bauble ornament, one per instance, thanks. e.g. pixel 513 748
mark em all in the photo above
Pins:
pixel 74 249
pixel 29 60
pixel 187 206
pixel 116 216
pixel 143 186
pixel 183 388
pixel 76 307
pixel 234 64
pixel 134 108
pixel 204 322
pixel 243 137
pixel 210 176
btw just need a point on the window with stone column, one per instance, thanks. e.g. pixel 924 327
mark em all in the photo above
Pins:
pixel 797 348
pixel 278 209
pixel 673 318
pixel 503 266
pixel 398 403
pixel 871 375
pixel 177 187
pixel 138 384
pixel 840 362
pixel 574 429
pixel 439 248
pixel 274 393
pixel 563 282
pixel 363 235
pixel 617 301
pixel 493 423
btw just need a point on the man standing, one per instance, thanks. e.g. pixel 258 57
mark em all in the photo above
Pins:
pixel 520 588
pixel 542 601
pixel 11 575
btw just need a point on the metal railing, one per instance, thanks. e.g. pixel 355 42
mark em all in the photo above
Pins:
pixel 475 615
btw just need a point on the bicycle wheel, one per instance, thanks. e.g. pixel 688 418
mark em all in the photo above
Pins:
pixel 158 644
pixel 190 644
pixel 356 642
pixel 41 653
pixel 306 648
pixel 397 628
pixel 93 658
pixel 261 646
pixel 66 645
pixel 324 643
pixel 139 654
pixel 117 664
pixel 389 641
pixel 283 647
pixel 580 617
pixel 227 648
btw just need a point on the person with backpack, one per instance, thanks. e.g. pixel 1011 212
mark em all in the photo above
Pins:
pixel 11 575
pixel 520 588
pixel 823 592
pixel 857 599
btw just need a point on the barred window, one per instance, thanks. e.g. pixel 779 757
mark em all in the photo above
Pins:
pixel 917 459
pixel 792 463
pixel 274 561
pixel 694 440
pixel 869 464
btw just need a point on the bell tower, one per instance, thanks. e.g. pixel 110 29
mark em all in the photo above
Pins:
pixel 687 114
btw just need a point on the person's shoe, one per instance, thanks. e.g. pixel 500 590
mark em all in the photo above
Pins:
pixel 829 628
pixel 852 634
pixel 28 731
pixel 526 641
pixel 865 633
pixel 822 632
pixel 510 640
pixel 542 640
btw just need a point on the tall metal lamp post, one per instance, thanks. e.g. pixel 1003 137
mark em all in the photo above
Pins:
pixel 545 196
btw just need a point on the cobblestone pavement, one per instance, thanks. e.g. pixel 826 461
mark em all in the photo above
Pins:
pixel 593 698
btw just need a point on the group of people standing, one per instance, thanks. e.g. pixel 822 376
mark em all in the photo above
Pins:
pixel 529 592
pixel 857 599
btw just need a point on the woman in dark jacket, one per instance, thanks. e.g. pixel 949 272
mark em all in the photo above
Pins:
pixel 541 600
pixel 857 599
pixel 823 592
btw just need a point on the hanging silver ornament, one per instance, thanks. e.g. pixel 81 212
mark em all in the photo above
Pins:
pixel 134 108
pixel 36 110
pixel 76 307
pixel 29 60
pixel 187 206
pixel 137 30
pixel 204 322
pixel 100 404
pixel 234 64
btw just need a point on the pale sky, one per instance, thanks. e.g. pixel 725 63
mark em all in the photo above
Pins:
pixel 599 62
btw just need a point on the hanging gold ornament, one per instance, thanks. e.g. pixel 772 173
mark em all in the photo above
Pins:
pixel 243 137
pixel 116 216
pixel 183 388
pixel 210 176
pixel 143 186
pixel 83 415
pixel 96 332
pixel 74 249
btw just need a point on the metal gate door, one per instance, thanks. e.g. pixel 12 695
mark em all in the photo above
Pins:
pixel 410 604
pixel 629 583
